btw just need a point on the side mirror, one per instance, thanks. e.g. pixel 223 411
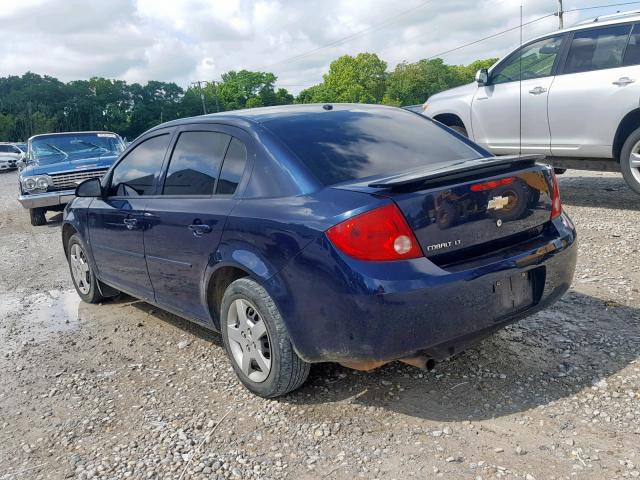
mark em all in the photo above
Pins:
pixel 89 188
pixel 482 77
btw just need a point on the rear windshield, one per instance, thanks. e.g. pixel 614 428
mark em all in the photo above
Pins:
pixel 342 145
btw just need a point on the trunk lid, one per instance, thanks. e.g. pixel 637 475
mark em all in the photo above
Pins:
pixel 471 208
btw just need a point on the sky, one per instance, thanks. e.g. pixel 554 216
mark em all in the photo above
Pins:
pixel 186 40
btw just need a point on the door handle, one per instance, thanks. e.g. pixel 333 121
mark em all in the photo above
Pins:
pixel 131 223
pixel 537 91
pixel 622 81
pixel 199 229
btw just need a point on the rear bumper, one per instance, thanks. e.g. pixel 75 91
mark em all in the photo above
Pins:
pixel 338 309
pixel 46 199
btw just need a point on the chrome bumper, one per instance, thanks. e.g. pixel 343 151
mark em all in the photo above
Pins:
pixel 46 199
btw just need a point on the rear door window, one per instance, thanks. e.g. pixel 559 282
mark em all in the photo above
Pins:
pixel 136 174
pixel 232 168
pixel 597 49
pixel 195 163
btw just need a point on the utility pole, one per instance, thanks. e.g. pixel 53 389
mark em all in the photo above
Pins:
pixel 560 14
pixel 216 94
pixel 199 83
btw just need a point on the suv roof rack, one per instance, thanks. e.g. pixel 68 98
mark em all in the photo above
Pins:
pixel 612 16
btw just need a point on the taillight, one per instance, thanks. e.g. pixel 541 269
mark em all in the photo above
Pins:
pixel 490 185
pixel 379 234
pixel 556 204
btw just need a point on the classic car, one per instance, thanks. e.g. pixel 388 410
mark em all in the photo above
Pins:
pixel 57 162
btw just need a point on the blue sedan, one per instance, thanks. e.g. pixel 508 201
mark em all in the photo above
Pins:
pixel 356 234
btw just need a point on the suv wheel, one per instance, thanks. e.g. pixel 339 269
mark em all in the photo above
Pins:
pixel 257 341
pixel 630 161
pixel 83 276
pixel 461 130
pixel 37 216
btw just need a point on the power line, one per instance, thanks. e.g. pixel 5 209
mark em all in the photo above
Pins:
pixel 348 37
pixel 459 47
pixel 601 6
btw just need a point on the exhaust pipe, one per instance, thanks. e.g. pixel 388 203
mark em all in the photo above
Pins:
pixel 421 362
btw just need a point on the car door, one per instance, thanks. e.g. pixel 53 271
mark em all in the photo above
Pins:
pixel 509 113
pixel 187 216
pixel 116 222
pixel 596 87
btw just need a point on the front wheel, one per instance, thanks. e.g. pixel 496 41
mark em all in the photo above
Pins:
pixel 83 276
pixel 459 129
pixel 37 216
pixel 630 161
pixel 257 342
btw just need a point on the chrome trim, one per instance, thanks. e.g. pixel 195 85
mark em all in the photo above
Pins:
pixel 72 179
pixel 46 199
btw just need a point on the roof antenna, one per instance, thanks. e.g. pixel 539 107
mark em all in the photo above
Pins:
pixel 520 84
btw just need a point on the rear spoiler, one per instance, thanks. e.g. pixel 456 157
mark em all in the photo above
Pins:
pixel 454 170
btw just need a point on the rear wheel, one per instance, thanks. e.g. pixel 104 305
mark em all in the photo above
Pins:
pixel 630 161
pixel 37 216
pixel 257 341
pixel 559 171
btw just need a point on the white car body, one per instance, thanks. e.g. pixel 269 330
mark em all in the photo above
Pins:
pixel 577 95
pixel 10 155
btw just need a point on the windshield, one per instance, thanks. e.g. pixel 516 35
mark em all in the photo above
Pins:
pixel 59 148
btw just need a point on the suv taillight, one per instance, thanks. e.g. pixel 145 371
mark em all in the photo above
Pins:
pixel 380 234
pixel 556 204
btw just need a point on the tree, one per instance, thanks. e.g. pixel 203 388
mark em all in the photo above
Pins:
pixel 413 83
pixel 359 79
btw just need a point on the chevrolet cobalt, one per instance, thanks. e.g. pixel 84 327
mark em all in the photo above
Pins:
pixel 356 234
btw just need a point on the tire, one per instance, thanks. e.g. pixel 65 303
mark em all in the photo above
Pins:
pixel 87 289
pixel 271 366
pixel 37 216
pixel 461 130
pixel 631 173
pixel 559 171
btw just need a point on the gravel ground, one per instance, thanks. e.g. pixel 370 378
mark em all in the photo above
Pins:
pixel 124 390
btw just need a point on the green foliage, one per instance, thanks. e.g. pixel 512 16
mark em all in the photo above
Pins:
pixel 33 103
pixel 359 79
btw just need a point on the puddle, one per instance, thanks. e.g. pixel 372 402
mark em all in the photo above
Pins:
pixel 34 317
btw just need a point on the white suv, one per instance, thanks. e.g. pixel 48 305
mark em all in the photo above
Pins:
pixel 573 94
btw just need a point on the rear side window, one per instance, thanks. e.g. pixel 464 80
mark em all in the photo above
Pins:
pixel 136 173
pixel 195 163
pixel 232 168
pixel 597 49
pixel 341 145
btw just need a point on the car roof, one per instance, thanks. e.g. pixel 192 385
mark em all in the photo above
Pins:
pixel 601 21
pixel 259 115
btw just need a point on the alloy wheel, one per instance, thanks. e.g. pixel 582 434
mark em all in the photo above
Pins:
pixel 634 162
pixel 80 269
pixel 249 340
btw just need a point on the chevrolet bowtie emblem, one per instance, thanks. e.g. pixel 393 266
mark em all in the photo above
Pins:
pixel 498 203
